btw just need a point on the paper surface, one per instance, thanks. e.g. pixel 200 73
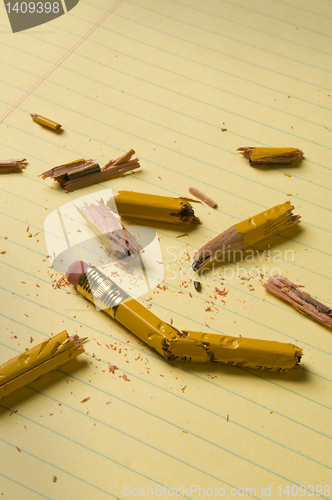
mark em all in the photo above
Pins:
pixel 163 78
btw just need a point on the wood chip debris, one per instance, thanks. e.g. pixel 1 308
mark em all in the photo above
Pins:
pixel 12 165
pixel 81 173
pixel 201 196
pixel 303 302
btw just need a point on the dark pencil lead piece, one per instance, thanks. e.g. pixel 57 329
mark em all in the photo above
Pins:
pixel 197 286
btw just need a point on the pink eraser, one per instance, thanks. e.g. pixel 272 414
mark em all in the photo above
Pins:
pixel 76 271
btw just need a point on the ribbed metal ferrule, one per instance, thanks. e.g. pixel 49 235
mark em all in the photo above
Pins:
pixel 100 289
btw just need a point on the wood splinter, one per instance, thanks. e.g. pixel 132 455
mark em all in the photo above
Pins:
pixel 112 233
pixel 303 302
pixel 268 156
pixel 12 165
pixel 81 173
pixel 201 196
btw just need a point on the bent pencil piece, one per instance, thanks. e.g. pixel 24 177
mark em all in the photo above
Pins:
pixel 303 302
pixel 174 344
pixel 261 156
pixel 201 196
pixel 113 234
pixel 45 121
pixel 82 173
pixel 248 232
pixel 12 165
pixel 38 360
pixel 132 205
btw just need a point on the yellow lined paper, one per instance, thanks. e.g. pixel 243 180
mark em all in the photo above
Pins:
pixel 164 78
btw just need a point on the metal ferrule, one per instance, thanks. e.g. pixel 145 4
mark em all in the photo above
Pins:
pixel 101 290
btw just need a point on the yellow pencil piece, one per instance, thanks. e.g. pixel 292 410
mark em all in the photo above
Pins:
pixel 45 121
pixel 243 352
pixel 40 359
pixel 267 223
pixel 261 156
pixel 132 205
pixel 246 233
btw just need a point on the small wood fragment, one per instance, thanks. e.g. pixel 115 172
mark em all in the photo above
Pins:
pixel 85 399
pixel 303 302
pixel 201 196
pixel 12 165
pixel 81 173
pixel 46 122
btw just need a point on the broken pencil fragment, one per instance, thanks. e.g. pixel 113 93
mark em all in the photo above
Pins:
pixel 12 165
pixel 81 173
pixel 45 121
pixel 241 352
pixel 38 360
pixel 113 234
pixel 303 302
pixel 246 233
pixel 133 205
pixel 175 345
pixel 201 196
pixel 266 156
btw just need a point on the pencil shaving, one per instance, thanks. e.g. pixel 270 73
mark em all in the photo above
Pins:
pixel 270 155
pixel 82 173
pixel 113 234
pixel 201 196
pixel 12 165
pixel 303 302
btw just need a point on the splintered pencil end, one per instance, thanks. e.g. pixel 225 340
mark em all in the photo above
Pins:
pixel 12 165
pixel 266 156
pixel 303 302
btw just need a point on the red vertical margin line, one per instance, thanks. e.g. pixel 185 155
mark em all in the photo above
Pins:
pixel 60 61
